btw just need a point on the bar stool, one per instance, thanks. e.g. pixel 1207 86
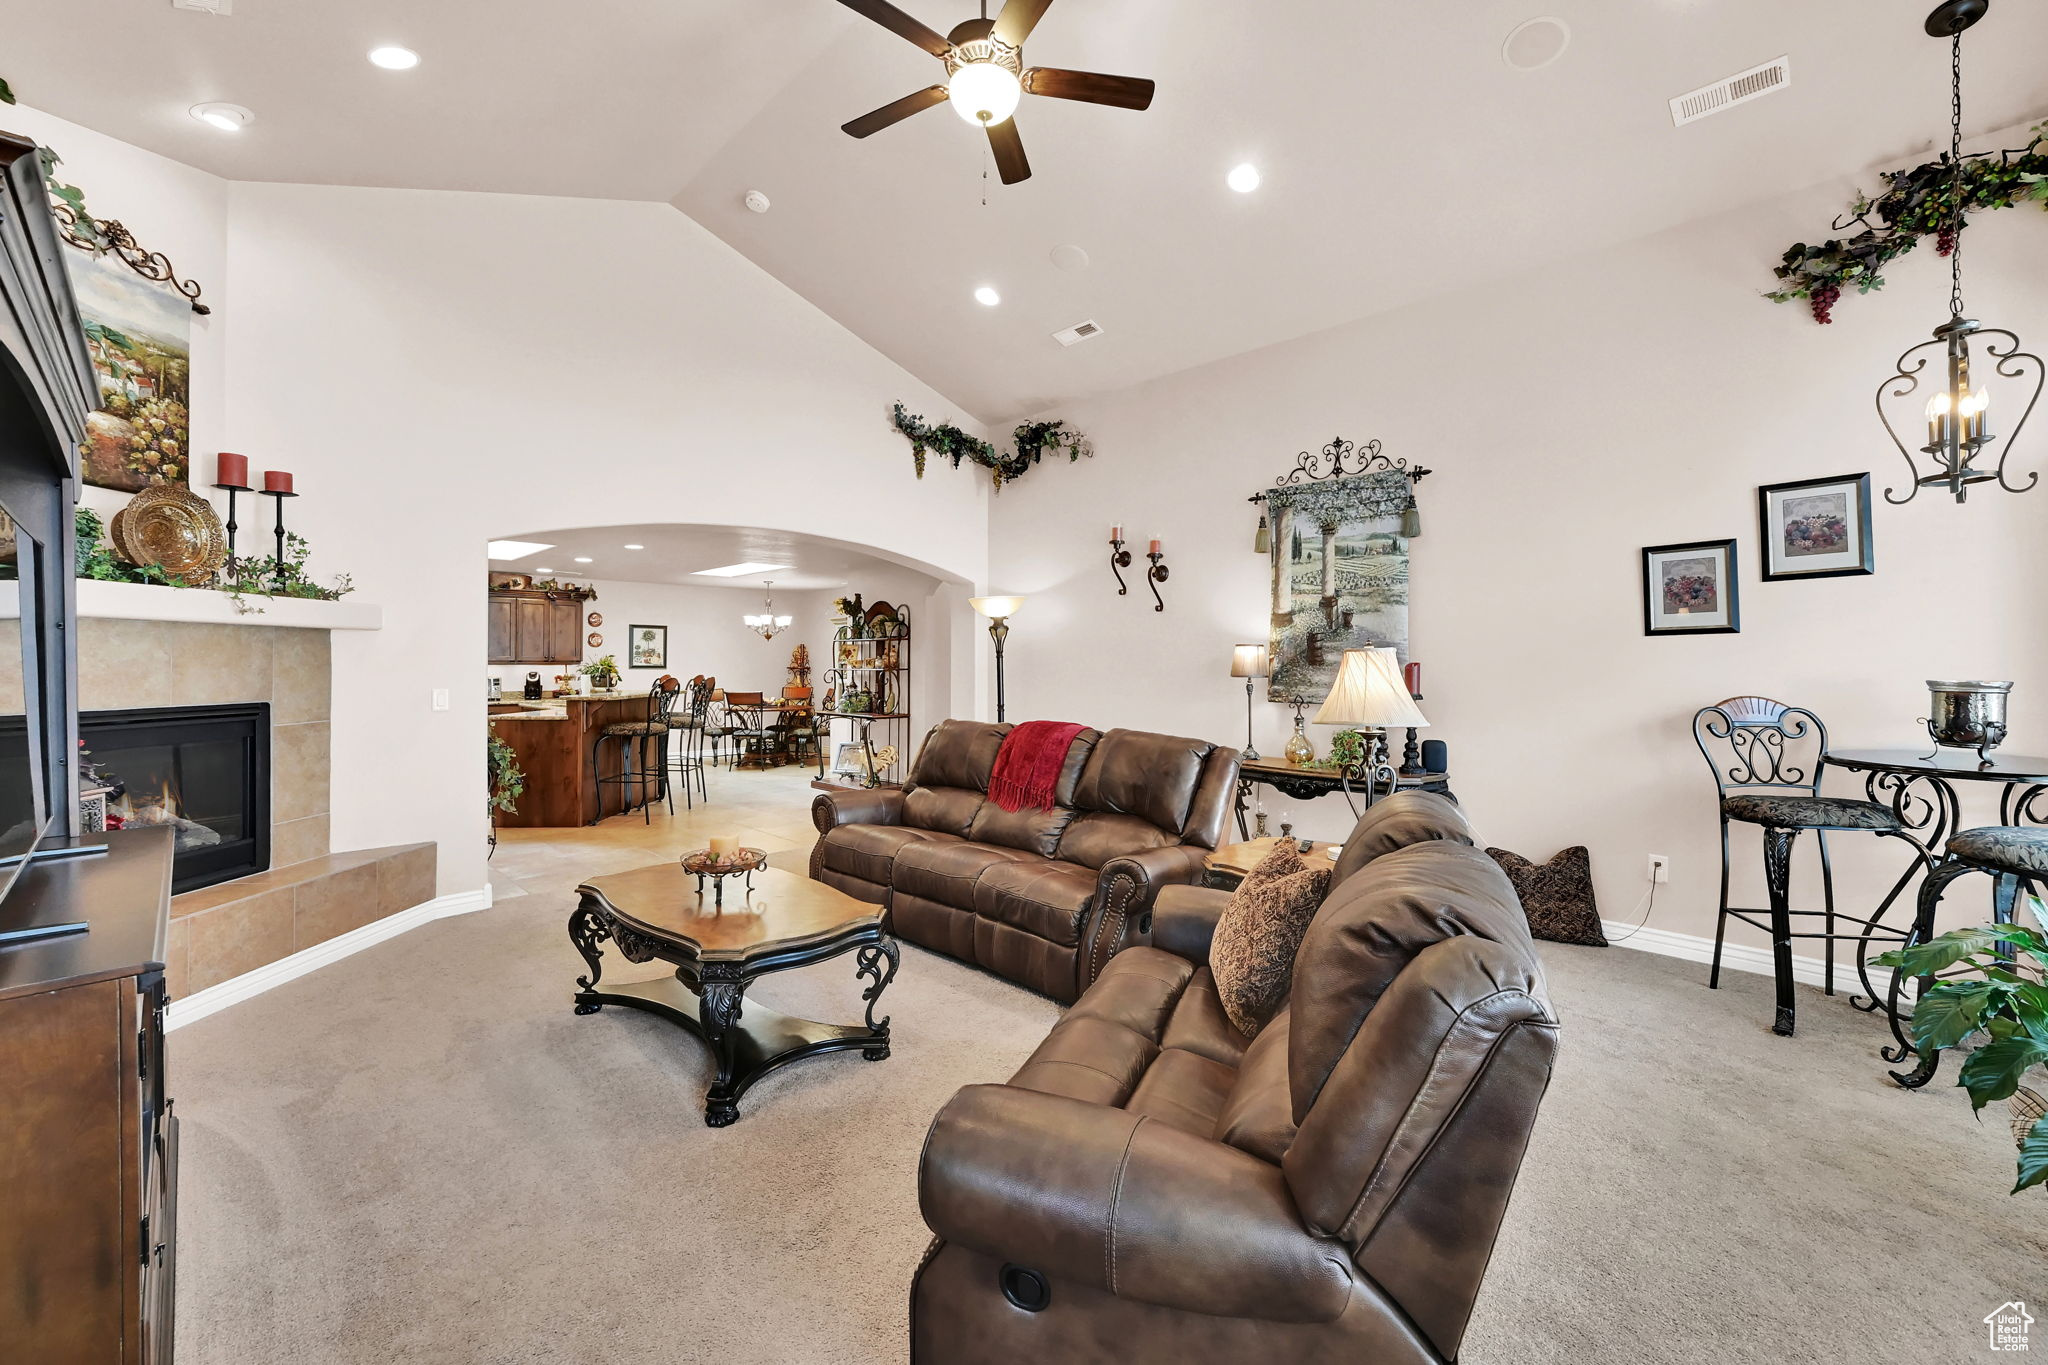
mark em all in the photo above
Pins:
pixel 1767 759
pixel 633 738
pixel 689 754
pixel 2016 858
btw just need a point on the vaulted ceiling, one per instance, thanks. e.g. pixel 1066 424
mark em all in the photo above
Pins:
pixel 1402 156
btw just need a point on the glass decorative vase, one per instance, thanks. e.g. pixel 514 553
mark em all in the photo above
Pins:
pixel 1300 748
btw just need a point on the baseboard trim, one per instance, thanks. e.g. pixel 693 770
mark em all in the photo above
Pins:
pixel 235 990
pixel 1743 957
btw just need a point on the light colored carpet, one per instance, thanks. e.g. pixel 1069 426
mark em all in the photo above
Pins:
pixel 420 1154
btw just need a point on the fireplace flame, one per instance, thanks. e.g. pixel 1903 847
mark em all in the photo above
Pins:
pixel 160 807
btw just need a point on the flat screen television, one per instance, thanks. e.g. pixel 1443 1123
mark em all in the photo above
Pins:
pixel 25 807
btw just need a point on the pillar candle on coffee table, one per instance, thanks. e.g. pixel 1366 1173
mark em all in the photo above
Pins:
pixel 724 847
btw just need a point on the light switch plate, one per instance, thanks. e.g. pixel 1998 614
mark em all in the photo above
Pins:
pixel 440 699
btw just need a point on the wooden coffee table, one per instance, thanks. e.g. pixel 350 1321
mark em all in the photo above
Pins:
pixel 783 921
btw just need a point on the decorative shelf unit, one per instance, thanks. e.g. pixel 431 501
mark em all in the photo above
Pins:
pixel 870 682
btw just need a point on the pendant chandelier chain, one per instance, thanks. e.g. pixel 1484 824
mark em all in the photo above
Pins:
pixel 1955 149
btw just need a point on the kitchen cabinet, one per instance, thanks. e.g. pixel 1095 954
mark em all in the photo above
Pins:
pixel 535 628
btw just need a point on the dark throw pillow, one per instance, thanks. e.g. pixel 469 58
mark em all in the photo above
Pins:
pixel 1557 896
pixel 1252 954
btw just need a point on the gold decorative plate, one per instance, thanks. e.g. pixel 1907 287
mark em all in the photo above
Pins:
pixel 170 525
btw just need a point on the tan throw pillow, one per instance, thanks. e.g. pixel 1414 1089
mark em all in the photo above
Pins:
pixel 1252 954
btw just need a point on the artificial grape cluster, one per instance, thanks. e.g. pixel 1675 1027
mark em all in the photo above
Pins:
pixel 1822 300
pixel 1945 240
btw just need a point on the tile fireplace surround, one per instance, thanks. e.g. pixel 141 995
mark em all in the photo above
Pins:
pixel 309 894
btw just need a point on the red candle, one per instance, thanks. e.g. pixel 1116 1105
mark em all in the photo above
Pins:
pixel 231 470
pixel 1153 548
pixel 276 481
pixel 1116 533
pixel 1412 675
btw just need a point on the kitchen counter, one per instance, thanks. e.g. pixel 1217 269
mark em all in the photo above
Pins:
pixel 561 790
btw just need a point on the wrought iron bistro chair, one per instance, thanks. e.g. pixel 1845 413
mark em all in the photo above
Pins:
pixel 641 744
pixel 686 733
pixel 742 724
pixel 2016 858
pixel 1768 759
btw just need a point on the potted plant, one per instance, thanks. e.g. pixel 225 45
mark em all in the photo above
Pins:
pixel 603 673
pixel 1969 989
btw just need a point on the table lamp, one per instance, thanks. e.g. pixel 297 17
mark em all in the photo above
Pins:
pixel 998 610
pixel 1249 662
pixel 1371 695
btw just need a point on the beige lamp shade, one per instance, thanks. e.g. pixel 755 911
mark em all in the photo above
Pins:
pixel 1369 691
pixel 996 608
pixel 1249 661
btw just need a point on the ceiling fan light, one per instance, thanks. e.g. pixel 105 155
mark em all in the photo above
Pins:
pixel 984 92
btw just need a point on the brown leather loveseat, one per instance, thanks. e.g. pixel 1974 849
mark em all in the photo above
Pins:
pixel 1043 897
pixel 1150 1188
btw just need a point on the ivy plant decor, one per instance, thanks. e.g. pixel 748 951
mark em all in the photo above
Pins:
pixel 1919 203
pixel 1033 439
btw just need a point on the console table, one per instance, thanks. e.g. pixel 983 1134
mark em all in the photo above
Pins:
pixel 1305 784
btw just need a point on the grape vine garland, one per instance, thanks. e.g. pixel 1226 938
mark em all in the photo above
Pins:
pixel 1033 440
pixel 1920 202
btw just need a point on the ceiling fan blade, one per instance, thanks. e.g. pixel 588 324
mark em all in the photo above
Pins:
pixel 897 22
pixel 1125 92
pixel 894 112
pixel 1009 150
pixel 1017 20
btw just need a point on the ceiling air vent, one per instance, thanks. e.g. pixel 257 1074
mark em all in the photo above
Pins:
pixel 1078 333
pixel 220 7
pixel 1739 88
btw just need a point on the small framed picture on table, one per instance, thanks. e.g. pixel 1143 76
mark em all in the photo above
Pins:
pixel 1691 589
pixel 1816 528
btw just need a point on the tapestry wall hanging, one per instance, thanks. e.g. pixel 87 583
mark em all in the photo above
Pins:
pixel 139 333
pixel 1340 575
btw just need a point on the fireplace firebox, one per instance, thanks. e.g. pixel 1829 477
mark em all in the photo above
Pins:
pixel 204 770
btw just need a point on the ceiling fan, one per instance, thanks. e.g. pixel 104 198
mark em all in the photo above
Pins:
pixel 986 75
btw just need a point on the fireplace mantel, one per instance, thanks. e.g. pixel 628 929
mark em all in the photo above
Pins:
pixel 151 602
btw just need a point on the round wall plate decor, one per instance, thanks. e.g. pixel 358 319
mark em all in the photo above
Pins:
pixel 597 618
pixel 169 525
pixel 595 640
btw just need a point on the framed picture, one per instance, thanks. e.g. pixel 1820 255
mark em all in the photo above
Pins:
pixel 647 647
pixel 848 760
pixel 1816 528
pixel 1691 589
pixel 1339 577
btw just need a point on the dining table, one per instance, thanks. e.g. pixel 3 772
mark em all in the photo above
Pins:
pixel 1921 787
pixel 769 748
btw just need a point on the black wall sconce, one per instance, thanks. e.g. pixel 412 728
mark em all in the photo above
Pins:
pixel 1120 559
pixel 1156 575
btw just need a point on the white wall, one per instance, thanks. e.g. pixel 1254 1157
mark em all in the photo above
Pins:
pixel 1634 398
pixel 436 367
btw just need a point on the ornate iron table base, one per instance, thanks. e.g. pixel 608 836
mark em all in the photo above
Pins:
pixel 746 1045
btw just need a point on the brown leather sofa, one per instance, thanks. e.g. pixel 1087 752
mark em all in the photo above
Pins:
pixel 1043 897
pixel 1151 1188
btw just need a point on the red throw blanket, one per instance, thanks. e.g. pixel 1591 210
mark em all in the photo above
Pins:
pixel 1027 770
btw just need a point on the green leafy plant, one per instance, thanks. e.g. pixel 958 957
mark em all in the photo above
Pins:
pixel 96 560
pixel 507 778
pixel 603 672
pixel 1973 991
pixel 1347 749
pixel 1033 441
pixel 1917 203
pixel 269 576
pixel 6 93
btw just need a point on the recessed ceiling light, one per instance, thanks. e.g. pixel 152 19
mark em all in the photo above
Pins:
pixel 1243 178
pixel 229 118
pixel 539 569
pixel 735 570
pixel 514 549
pixel 636 547
pixel 582 559
pixel 987 297
pixel 393 58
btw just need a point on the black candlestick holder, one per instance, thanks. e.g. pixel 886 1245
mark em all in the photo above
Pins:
pixel 1154 577
pixel 1119 559
pixel 231 489
pixel 280 495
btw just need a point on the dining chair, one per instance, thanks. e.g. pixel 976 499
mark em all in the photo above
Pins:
pixel 1768 759
pixel 743 723
pixel 687 731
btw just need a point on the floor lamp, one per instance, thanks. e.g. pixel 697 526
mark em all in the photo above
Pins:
pixel 1250 663
pixel 998 610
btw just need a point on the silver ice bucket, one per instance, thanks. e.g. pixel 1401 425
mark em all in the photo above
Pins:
pixel 1968 715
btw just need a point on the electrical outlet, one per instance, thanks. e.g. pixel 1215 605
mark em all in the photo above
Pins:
pixel 440 699
pixel 1660 867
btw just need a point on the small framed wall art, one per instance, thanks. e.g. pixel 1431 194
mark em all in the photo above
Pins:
pixel 1816 528
pixel 1691 589
pixel 647 647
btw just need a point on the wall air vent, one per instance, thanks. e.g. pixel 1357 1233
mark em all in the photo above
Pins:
pixel 1078 333
pixel 1739 88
